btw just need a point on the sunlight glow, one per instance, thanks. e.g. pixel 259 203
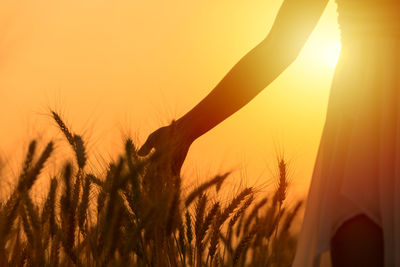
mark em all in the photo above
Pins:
pixel 331 53
pixel 322 52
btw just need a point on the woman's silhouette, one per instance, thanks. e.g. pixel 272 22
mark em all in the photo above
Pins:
pixel 353 205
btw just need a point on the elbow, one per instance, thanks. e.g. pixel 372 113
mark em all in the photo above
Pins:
pixel 287 56
pixel 282 52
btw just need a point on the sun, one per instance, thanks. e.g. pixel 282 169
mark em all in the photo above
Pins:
pixel 321 52
pixel 330 53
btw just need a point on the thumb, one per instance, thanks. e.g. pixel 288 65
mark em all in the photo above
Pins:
pixel 147 146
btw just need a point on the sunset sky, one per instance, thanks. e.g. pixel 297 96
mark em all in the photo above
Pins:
pixel 128 67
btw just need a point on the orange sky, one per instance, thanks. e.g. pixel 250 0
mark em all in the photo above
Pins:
pixel 132 66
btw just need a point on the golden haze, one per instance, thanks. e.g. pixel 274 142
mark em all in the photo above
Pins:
pixel 111 66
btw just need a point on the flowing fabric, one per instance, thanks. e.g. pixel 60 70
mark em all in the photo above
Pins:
pixel 357 169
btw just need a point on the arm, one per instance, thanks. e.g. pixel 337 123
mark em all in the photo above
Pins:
pixel 257 69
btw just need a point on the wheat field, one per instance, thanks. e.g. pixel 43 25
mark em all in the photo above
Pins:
pixel 137 214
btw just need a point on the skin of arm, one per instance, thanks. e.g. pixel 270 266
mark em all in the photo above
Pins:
pixel 293 25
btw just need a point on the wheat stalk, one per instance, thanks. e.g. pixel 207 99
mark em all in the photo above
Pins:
pixel 199 190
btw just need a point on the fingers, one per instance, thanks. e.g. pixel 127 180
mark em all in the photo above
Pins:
pixel 147 146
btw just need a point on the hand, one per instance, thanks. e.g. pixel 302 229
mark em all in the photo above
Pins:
pixel 172 144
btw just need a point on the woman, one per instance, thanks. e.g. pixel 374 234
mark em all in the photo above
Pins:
pixel 353 206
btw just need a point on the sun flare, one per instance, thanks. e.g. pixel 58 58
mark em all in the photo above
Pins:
pixel 323 52
pixel 331 53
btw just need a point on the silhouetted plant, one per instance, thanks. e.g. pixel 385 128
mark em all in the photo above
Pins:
pixel 137 215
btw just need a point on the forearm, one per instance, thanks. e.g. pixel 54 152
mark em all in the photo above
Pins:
pixel 294 23
pixel 256 70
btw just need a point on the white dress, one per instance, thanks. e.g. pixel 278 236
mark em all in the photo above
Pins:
pixel 357 169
